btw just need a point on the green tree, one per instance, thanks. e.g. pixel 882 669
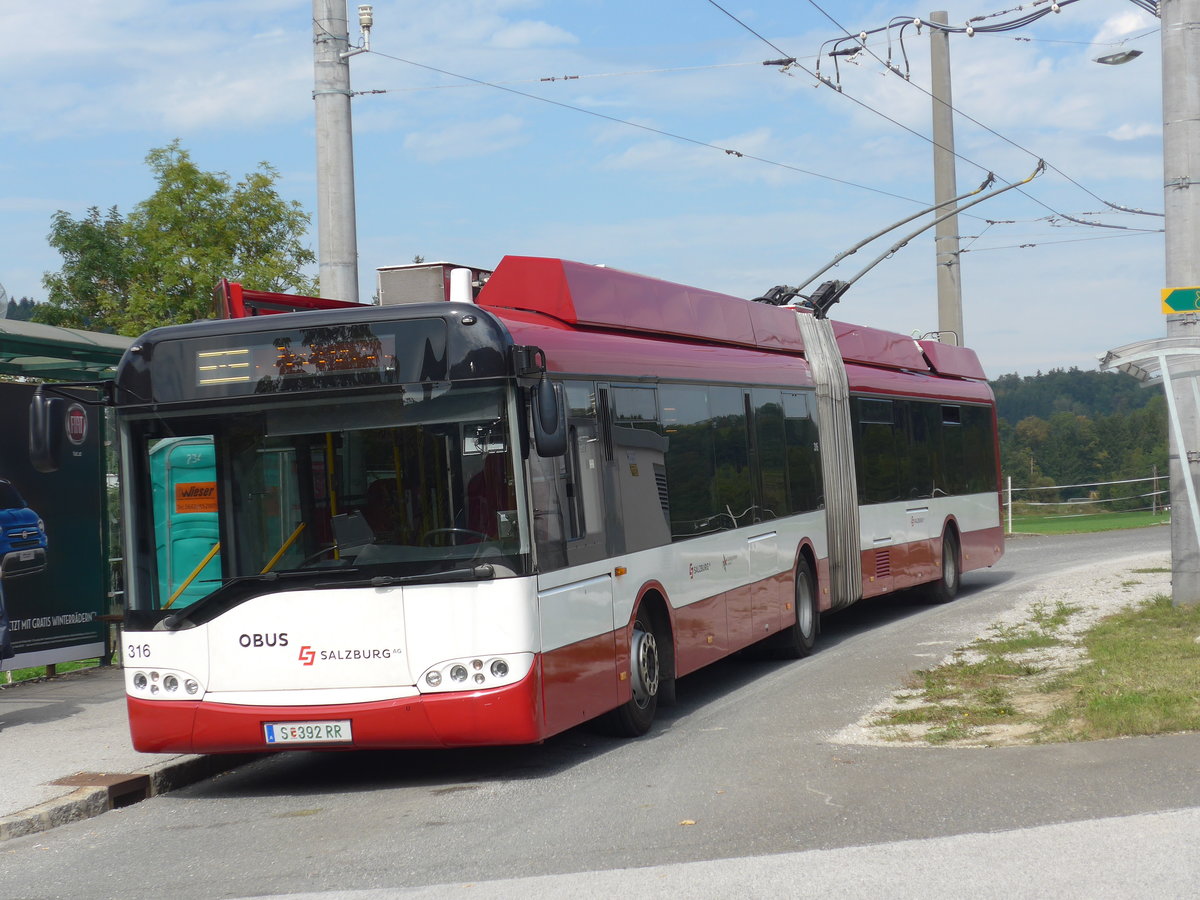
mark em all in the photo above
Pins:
pixel 20 310
pixel 159 265
pixel 197 228
pixel 89 290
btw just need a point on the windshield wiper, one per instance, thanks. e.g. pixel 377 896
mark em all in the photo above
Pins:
pixel 181 619
pixel 475 573
pixel 260 576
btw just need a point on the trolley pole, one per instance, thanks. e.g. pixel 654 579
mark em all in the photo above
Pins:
pixel 337 240
pixel 949 286
pixel 1181 187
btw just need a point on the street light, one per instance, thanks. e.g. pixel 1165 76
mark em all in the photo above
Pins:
pixel 1120 58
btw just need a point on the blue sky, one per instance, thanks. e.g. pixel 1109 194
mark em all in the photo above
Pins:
pixel 453 170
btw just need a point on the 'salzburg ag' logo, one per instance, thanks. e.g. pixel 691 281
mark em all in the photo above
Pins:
pixel 307 655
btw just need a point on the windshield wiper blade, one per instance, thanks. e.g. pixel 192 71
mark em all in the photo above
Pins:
pixel 475 573
pixel 263 576
pixel 177 620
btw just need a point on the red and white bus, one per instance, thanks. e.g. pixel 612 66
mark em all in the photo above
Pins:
pixel 440 523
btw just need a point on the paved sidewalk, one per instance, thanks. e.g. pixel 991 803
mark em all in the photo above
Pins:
pixel 73 729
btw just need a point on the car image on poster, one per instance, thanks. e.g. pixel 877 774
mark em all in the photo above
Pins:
pixel 22 535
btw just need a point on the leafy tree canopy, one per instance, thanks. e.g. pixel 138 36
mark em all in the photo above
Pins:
pixel 89 290
pixel 159 265
pixel 1085 393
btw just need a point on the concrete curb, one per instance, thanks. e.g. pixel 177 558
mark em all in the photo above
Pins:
pixel 90 801
pixel 81 804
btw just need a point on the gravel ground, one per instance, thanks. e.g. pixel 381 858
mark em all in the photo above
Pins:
pixel 1095 592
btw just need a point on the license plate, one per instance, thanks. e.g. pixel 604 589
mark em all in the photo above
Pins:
pixel 26 556
pixel 336 731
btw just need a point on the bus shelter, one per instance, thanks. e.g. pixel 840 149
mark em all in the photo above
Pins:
pixel 47 353
pixel 1173 362
pixel 54 527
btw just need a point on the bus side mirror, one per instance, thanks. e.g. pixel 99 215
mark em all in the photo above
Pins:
pixel 45 431
pixel 549 419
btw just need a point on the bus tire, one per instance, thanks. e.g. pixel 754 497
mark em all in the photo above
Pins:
pixel 798 640
pixel 945 588
pixel 634 717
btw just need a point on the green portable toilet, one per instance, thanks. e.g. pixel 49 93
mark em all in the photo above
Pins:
pixel 184 477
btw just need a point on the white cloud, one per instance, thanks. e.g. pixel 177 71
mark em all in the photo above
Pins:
pixel 141 65
pixel 1121 26
pixel 1131 131
pixel 522 35
pixel 467 140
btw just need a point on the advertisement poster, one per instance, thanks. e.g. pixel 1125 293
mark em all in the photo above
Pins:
pixel 52 559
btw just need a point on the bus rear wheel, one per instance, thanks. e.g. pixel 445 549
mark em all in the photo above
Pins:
pixel 634 717
pixel 798 640
pixel 945 588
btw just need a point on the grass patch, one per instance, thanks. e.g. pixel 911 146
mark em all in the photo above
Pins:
pixel 1088 522
pixel 1141 677
pixel 1041 630
pixel 1138 676
pixel 12 676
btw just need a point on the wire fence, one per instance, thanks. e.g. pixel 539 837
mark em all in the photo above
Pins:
pixel 1148 496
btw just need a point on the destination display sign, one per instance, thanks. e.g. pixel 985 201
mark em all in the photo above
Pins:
pixel 342 351
pixel 320 358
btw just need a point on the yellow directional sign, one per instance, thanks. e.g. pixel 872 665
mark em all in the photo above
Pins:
pixel 1181 300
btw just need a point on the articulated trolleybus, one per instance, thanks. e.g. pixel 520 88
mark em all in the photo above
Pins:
pixel 443 522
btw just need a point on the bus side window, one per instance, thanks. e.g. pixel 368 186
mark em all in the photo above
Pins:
pixel 805 491
pixel 876 453
pixel 584 468
pixel 690 460
pixel 576 518
pixel 547 486
pixel 771 451
pixel 640 448
pixel 734 490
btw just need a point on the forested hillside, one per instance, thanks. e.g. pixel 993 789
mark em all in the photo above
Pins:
pixel 1069 390
pixel 1073 427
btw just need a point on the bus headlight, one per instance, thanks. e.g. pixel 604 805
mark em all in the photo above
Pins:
pixel 475 672
pixel 162 684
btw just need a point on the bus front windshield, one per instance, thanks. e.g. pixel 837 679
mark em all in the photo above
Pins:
pixel 387 487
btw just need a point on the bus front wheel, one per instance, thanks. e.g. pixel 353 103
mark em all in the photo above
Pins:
pixel 634 717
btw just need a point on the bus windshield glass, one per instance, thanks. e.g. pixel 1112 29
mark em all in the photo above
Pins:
pixel 404 485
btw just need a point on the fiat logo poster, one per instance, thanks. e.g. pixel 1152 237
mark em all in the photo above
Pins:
pixel 77 424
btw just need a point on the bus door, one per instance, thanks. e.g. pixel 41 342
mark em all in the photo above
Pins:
pixel 577 608
pixel 880 450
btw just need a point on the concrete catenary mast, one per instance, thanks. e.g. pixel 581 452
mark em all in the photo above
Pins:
pixel 337 239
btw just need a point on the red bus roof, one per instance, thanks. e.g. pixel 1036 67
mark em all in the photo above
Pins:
pixel 596 297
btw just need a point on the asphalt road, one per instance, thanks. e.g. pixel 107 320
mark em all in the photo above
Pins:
pixel 741 769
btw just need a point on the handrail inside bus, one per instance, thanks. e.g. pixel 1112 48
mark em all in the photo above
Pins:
pixel 283 549
pixel 196 571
